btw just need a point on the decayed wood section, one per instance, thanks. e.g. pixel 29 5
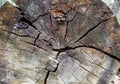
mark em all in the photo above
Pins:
pixel 58 42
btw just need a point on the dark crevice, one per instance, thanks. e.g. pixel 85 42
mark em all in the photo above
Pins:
pixel 58 63
pixel 45 40
pixel 19 9
pixel 52 25
pixel 47 75
pixel 36 38
pixel 89 80
pixel 46 78
pixel 63 49
pixel 42 30
pixel 57 55
pixel 56 68
pixel 91 29
pixel 88 71
pixel 68 25
pixel 106 53
pixel 87 46
pixel 17 34
pixel 63 12
pixel 39 17
pixel 118 72
pixel 66 30
pixel 36 46
pixel 51 21
pixel 73 17
pixel 23 19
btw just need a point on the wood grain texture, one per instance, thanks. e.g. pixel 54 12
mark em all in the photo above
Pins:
pixel 58 42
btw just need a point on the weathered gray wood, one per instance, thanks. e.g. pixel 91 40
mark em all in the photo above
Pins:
pixel 58 42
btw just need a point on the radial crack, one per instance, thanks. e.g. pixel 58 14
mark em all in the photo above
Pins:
pixel 91 29
pixel 17 34
pixel 82 66
pixel 47 75
pixel 87 46
pixel 46 78
pixel 68 25
pixel 36 46
pixel 37 38
pixel 39 16
pixel 108 54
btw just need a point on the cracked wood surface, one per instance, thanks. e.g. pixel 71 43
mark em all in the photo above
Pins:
pixel 58 42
